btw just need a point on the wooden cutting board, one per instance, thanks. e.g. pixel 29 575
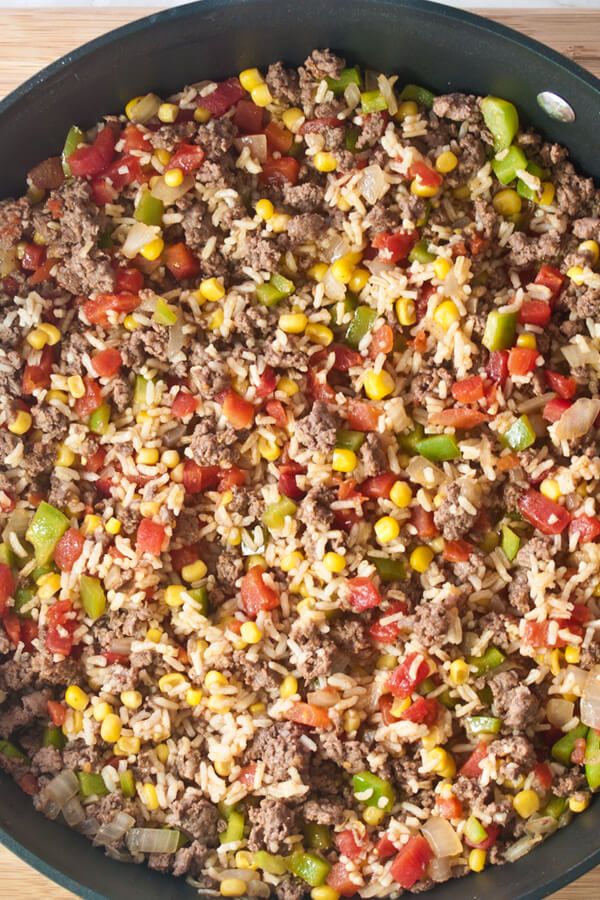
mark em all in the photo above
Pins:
pixel 30 39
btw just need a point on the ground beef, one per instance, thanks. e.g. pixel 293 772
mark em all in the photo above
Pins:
pixel 486 217
pixel 318 430
pixel 516 754
pixel 427 382
pixel 230 567
pixel 14 221
pixel 216 137
pixel 246 503
pixel 381 218
pixel 290 888
pixel 72 351
pixel 587 229
pixel 324 811
pixel 315 510
pixel 47 760
pixel 283 84
pixel 305 197
pixel 305 227
pixel 347 754
pixel 457 107
pixel 209 374
pixel 10 364
pixel 253 322
pixel 451 518
pixel 527 250
pixel 518 592
pixel 410 206
pixel 574 193
pixel 431 623
pixel 373 456
pixel 257 674
pixel 372 129
pixel 29 708
pixel 210 447
pixel 588 304
pixel 498 624
pixel 351 634
pixel 280 747
pixel 168 136
pixel 59 492
pixel 405 774
pixel 261 253
pixel 324 64
pixel 569 783
pixel 538 549
pixel 195 221
pixel 78 755
pixel 189 860
pixel 318 654
pixel 480 800
pixel 273 821
pixel 188 761
pixel 120 393
pixel 145 342
pixel 196 816
pixel 8 442
pixel 514 703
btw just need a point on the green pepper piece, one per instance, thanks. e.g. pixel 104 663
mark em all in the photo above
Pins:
pixel 105 240
pixel 53 737
pixel 99 419
pixel 421 254
pixel 485 695
pixel 93 598
pixel 346 78
pixel 277 288
pixel 351 138
pixel 310 868
pixel 500 328
pixel 361 324
pixel 419 94
pixel 555 807
pixel 447 700
pixel 283 284
pixel 72 141
pixel 483 725
pixel 520 435
pixel 6 555
pixel 43 570
pixel 11 751
pixel 349 304
pixel 149 210
pixel 127 782
pixel 474 831
pixel 511 543
pixel 164 314
pixel 592 759
pixel 491 659
pixel 563 748
pixel 438 447
pixel 235 827
pixel 318 837
pixel 274 514
pixel 489 542
pixel 200 595
pixel 389 569
pixel 269 862
pixel 380 790
pixel 524 190
pixel 426 687
pixel 140 391
pixel 45 531
pixel 349 440
pixel 372 101
pixel 23 596
pixel 408 442
pixel 505 169
pixel 90 784
pixel 502 119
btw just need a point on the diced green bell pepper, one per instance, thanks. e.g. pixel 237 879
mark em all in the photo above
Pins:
pixel 235 827
pixel 23 596
pixel 420 253
pixel 164 314
pixel 53 737
pixel 90 784
pixel 318 837
pixel 474 831
pixel 271 863
pixel 72 141
pixel 485 695
pixel 381 790
pixel 502 119
pixel 8 749
pixel 511 543
pixel 524 190
pixel 447 700
pixel 276 289
pixel 310 868
pixel 274 514
pixel 45 531
pixel 419 94
pixel 438 447
pixel 361 324
pixel 506 168
pixel 200 595
pixel 389 569
pixel 563 748
pixel 592 759
pixel 520 435
pixel 6 555
pixel 408 442
pixel 348 305
pixel 349 440
pixel 489 542
pixel 347 77
pixel 555 807
pixel 93 597
pixel 43 570
pixel 500 329
pixel 99 419
pixel 372 101
pixel 426 687
pixel 476 725
pixel 491 659
pixel 139 391
pixel 127 782
pixel 149 210
pixel 351 138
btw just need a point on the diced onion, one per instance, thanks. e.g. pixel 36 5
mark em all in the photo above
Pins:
pixel 176 337
pixel 541 825
pixel 244 874
pixel 18 523
pixel 73 812
pixel 257 144
pixel 352 96
pixel 169 195
pixel 439 869
pixel 139 235
pixel 387 92
pixel 559 712
pixel 442 837
pixel 153 840
pixel 334 289
pixel 423 472
pixel 577 420
pixel 521 847
pixel 339 248
pixel 112 832
pixel 373 184
pixel 145 109
pixel 581 352
pixel 59 791
pixel 590 701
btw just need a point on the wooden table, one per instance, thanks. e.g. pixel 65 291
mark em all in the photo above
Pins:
pixel 30 39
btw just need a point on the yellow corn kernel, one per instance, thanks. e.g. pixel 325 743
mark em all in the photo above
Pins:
pixel 234 538
pixel 359 280
pixel 37 339
pixel 334 562
pixel 343 204
pixel 446 162
pixel 250 78
pixel 578 804
pixel 233 887
pixel 110 730
pixel 555 661
pixel 372 815
pixel 279 223
pixel 442 762
pixel 293 323
pixel 527 339
pixel 130 323
pixel 318 271
pixel 526 803
pixel 73 722
pixel 405 311
pixel 153 249
pixel 351 721
pixel 170 681
pixel 319 334
pixel 48 585
pixel 289 687
pixel 261 95
pixel 130 106
pixel 386 529
pixel 572 655
pixel 162 751
pixel 547 196
pixel 257 709
pixel 401 494
pixel 386 661
pixel 220 705
pixel 576 274
pixel 149 796
pixel 212 289
pixel 550 489
pixel 265 209
pixel 400 705
pixel 149 508
pixel 423 190
pixel 214 678
pixel 251 633
pixel 148 456
pixel 113 526
pixel 101 711
pixel 269 450
pixel 441 267
pixel 288 386
pixel 90 523
pixel 76 386
pixel 459 672
pixel 127 745
pixel 344 267
pixel 477 860
pixel 194 571
pixel 293 118
pixel 592 248
pixel 21 423
pixel 174 595
pixel 193 697
pixel 163 156
pixel 168 112
pixel 223 767
pixel 245 860
pixel 173 178
pixel 324 161
pixel 344 460
pixel 76 698
pixel 51 331
pixel 131 699
pixel 216 320
pixel 406 108
pixel 378 385
pixel 58 396
pixel 507 202
pixel 291 561
pixel 154 635
pixel 170 458
pixel 446 314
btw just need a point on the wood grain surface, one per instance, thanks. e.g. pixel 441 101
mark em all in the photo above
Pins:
pixel 30 39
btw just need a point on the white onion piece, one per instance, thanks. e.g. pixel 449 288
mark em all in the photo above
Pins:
pixel 62 788
pixel 339 248
pixel 373 184
pixel 541 825
pixel 424 472
pixel 333 288
pixel 152 840
pixel 139 235
pixel 176 337
pixel 18 523
pixel 590 701
pixel 521 847
pixel 89 827
pixel 352 96
pixel 145 109
pixel 257 144
pixel 559 712
pixel 169 195
pixel 442 837
pixel 113 831
pixel 577 420
pixel 439 869
pixel 387 92
pixel 244 874
pixel 73 812
pixel 581 352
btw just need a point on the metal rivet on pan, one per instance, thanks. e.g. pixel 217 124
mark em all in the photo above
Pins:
pixel 556 107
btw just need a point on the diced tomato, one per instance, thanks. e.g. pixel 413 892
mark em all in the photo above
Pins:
pixel 184 404
pixel 91 400
pixel 382 341
pixel 563 385
pixel 248 117
pixel 267 383
pixel 180 261
pixel 279 139
pixel 58 641
pixel 308 714
pixel 347 844
pixel 385 704
pixel 379 486
pixel 587 528
pixel 134 139
pixel 287 481
pixel 123 171
pixel 197 479
pixel 37 375
pixel 68 549
pixel 469 390
pixel 33 257
pixel 424 711
pixel 492 836
pixel 94 159
pixel 478 244
pixel 422 519
pixel 339 879
pixel 425 174
pixel 276 410
pixel 107 362
pixel 363 594
pixel 232 477
pixel 408 675
pixel 28 784
pixel 344 357
pixel 187 157
pixel 150 537
pixel 411 862
pixel 7 586
pixel 57 712
pixel 459 417
pixel 544 775
pixel 457 551
pixel 535 312
pixel 225 96
pixel 112 658
pixel 521 360
pixel 551 278
pixel 394 246
pixel 276 171
pixel 449 807
pixel 554 409
pixel 12 626
pixel 384 847
pixel 59 634
pixel 472 768
pixel 581 614
pixel 387 632
pixel 128 280
pixel 317 125
pixel 497 367
pixel 255 594
pixel 29 633
pixel 318 387
pixel 362 416
pixel 247 776
pixel 42 273
pixel 96 311
pixel 184 556
pixel 95 461
pixel 238 411
pixel 537 635
pixel 544 514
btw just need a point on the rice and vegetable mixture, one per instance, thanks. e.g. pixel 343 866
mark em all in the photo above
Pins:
pixel 299 399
